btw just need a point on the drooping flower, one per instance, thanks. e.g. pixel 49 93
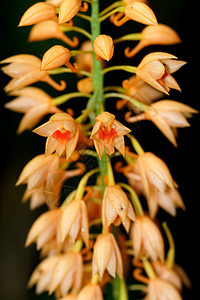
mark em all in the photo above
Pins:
pixel 56 57
pixel 159 289
pixel 44 228
pixel 107 256
pixel 155 69
pixel 25 70
pixel 69 8
pixel 147 239
pixel 116 208
pixel 50 29
pixel 90 292
pixel 38 12
pixel 154 35
pixel 85 85
pixel 74 222
pixel 140 12
pixel 44 180
pixel 58 273
pixel 103 47
pixel 62 134
pixel 108 133
pixel 34 103
pixel 167 115
pixel 85 60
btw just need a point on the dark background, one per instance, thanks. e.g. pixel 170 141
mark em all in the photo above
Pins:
pixel 16 262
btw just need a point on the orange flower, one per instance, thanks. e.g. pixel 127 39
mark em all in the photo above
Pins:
pixel 108 133
pixel 69 8
pixel 159 289
pixel 103 47
pixel 25 70
pixel 38 12
pixel 62 134
pixel 147 239
pixel 154 35
pixel 116 208
pixel 56 57
pixel 34 103
pixel 155 69
pixel 58 273
pixel 140 12
pixel 90 292
pixel 85 85
pixel 74 221
pixel 106 255
pixel 167 115
pixel 50 29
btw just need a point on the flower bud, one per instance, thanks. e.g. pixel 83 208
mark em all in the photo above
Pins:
pixel 56 57
pixel 85 85
pixel 104 47
pixel 38 12
pixel 68 9
pixel 140 12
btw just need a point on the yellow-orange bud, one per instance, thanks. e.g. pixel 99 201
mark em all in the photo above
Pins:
pixel 104 47
pixel 140 12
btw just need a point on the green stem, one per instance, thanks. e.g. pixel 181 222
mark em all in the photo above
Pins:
pixel 129 37
pixel 112 12
pixel 67 70
pixel 171 253
pixel 126 68
pixel 76 29
pixel 98 83
pixel 110 7
pixel 136 287
pixel 133 101
pixel 148 268
pixel 64 98
pixel 136 145
pixel 123 290
pixel 81 187
pixel 85 17
pixel 111 179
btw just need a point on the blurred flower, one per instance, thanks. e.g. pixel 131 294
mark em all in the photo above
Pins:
pixel 50 29
pixel 90 292
pixel 34 103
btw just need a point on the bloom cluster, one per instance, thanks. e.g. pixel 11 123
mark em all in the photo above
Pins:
pixel 100 232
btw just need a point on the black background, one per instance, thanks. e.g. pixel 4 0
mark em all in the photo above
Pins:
pixel 17 262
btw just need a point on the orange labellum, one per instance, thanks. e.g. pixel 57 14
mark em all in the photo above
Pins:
pixel 61 135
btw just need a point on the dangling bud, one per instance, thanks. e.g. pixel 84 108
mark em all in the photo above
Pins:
pixel 103 47
pixel 57 56
pixel 85 85
pixel 141 13
pixel 68 9
pixel 38 12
